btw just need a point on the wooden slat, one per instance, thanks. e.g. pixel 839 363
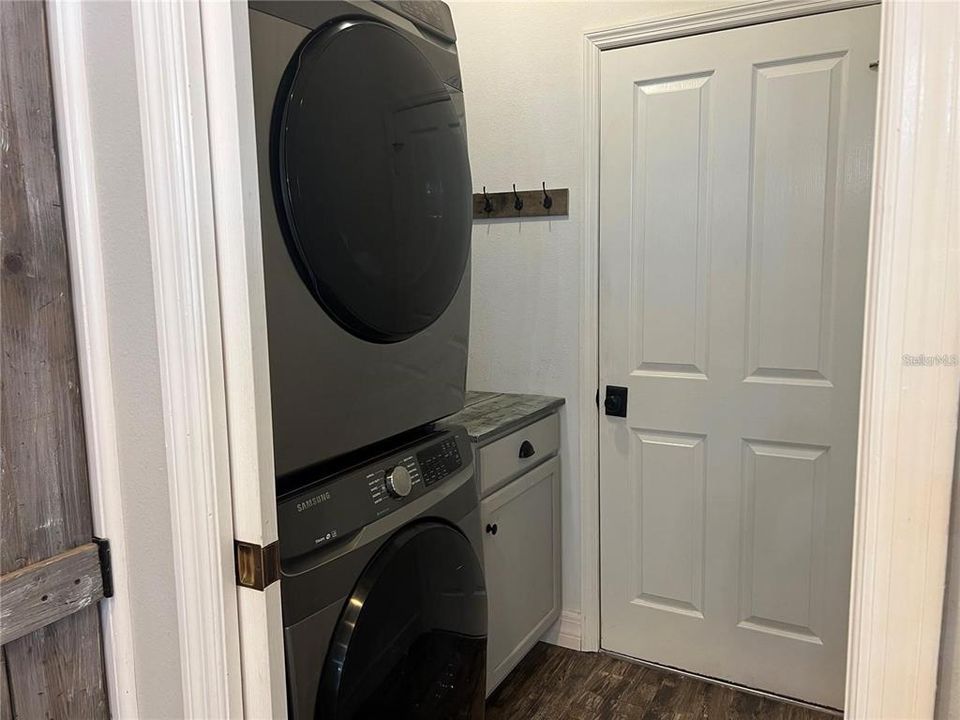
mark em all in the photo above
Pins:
pixel 57 671
pixel 44 592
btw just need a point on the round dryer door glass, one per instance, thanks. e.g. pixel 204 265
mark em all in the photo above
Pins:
pixel 411 640
pixel 372 180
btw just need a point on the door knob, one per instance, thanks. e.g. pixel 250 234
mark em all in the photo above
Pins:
pixel 492 529
pixel 615 401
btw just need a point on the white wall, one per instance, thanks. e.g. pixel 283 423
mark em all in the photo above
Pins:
pixel 522 78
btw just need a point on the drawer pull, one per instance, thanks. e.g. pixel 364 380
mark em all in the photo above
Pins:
pixel 491 529
pixel 526 449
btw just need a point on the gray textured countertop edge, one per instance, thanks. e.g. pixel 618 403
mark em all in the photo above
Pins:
pixel 488 416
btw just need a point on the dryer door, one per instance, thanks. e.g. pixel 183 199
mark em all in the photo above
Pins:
pixel 371 179
pixel 411 640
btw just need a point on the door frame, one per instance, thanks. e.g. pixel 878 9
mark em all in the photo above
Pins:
pixel 899 562
pixel 201 207
pixel 82 226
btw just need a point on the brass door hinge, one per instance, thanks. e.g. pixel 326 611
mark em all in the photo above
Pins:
pixel 257 567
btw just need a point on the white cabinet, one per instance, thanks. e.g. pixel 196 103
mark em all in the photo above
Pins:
pixel 516 441
pixel 521 552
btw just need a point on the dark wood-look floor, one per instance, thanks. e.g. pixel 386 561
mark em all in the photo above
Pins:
pixel 553 683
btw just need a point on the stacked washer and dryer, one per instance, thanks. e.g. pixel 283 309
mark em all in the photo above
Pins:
pixel 366 220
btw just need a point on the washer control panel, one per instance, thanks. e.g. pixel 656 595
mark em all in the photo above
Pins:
pixel 336 506
pixel 439 460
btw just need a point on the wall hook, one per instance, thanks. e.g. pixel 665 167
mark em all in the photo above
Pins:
pixel 547 200
pixel 515 204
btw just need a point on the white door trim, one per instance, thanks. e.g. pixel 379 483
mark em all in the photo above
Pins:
pixel 748 13
pixel 82 221
pixel 883 577
pixel 908 415
pixel 236 200
pixel 180 213
pixel 202 189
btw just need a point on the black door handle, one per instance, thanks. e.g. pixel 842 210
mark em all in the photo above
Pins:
pixel 526 449
pixel 491 529
pixel 615 402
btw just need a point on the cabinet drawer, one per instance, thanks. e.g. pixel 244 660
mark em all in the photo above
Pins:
pixel 502 460
pixel 521 556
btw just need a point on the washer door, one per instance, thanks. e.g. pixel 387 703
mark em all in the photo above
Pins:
pixel 371 179
pixel 411 641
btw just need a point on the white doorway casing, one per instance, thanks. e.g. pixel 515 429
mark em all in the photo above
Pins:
pixel 908 411
pixel 899 559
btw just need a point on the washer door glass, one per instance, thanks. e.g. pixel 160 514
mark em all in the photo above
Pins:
pixel 371 179
pixel 411 640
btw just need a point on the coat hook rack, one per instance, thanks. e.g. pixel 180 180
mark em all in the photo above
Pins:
pixel 542 202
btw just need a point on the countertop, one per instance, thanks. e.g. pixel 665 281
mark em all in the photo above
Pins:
pixel 489 415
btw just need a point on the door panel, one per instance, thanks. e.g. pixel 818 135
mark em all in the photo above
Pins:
pixel 670 246
pixel 782 551
pixel 668 503
pixel 736 172
pixel 791 243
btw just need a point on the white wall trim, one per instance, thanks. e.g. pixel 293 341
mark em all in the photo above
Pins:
pixel 590 355
pixel 169 50
pixel 82 220
pixel 566 631
pixel 750 13
pixel 236 200
pixel 908 415
pixel 236 195
pixel 594 43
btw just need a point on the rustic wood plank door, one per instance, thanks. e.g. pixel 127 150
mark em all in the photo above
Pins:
pixel 735 174
pixel 56 671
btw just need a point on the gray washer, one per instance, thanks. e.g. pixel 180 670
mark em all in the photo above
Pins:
pixel 391 606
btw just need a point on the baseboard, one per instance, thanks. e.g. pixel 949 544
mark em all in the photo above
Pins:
pixel 566 631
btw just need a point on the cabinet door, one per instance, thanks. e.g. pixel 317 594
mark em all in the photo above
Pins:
pixel 521 550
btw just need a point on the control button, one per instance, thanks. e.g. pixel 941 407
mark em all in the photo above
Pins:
pixel 399 482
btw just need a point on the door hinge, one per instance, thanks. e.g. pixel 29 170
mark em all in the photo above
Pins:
pixel 257 567
pixel 597 399
pixel 106 565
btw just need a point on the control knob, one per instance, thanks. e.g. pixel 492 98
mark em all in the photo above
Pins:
pixel 398 482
